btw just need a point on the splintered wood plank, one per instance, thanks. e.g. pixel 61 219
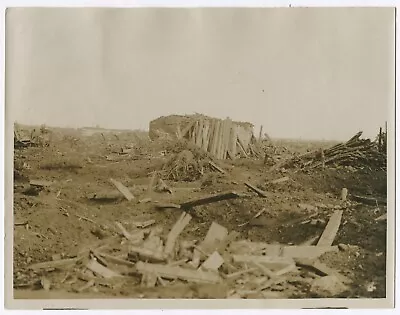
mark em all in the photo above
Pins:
pixel 210 199
pixel 101 270
pixel 169 272
pixel 257 190
pixel 307 251
pixel 329 234
pixel 55 264
pixel 122 189
pixel 177 229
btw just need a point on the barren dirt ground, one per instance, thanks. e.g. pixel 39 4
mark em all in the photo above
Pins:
pixel 63 219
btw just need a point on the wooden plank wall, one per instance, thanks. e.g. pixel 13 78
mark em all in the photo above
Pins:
pixel 221 138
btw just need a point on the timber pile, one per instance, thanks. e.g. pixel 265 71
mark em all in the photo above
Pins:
pixel 356 152
pixel 148 257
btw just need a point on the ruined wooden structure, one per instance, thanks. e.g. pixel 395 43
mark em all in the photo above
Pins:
pixel 221 138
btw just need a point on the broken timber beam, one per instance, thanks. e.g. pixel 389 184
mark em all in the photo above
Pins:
pixel 168 206
pixel 268 261
pixel 257 190
pixel 216 167
pixel 210 199
pixel 122 189
pixel 55 263
pixel 169 272
pixel 177 229
pixel 329 234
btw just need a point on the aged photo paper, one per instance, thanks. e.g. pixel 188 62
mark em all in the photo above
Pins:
pixel 183 157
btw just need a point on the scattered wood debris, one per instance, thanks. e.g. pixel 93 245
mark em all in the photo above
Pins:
pixel 122 189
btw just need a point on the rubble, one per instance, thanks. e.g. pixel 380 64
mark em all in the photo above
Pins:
pixel 356 152
pixel 164 229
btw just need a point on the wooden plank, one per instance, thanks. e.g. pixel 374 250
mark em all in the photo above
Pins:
pixel 382 217
pixel 170 272
pixel 167 206
pixel 307 251
pixel 55 264
pixel 221 140
pixel 216 138
pixel 210 199
pixel 273 263
pixel 122 189
pixel 226 137
pixel 329 234
pixel 101 270
pixel 241 149
pixel 199 136
pixel 232 141
pixel 213 262
pixel 215 236
pixel 211 136
pixel 194 132
pixel 257 190
pixel 248 247
pixel 115 260
pixel 178 132
pixel 206 134
pixel 206 137
pixel 40 183
pixel 216 167
pixel 188 128
pixel 177 229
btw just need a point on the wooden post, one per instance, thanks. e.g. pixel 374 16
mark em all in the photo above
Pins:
pixel 380 140
pixel 260 135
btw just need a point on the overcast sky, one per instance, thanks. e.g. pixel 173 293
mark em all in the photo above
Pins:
pixel 301 73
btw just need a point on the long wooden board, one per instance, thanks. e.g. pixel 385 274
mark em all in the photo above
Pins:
pixel 210 199
pixel 178 272
pixel 122 189
pixel 329 234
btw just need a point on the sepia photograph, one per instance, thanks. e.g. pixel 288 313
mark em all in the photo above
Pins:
pixel 200 153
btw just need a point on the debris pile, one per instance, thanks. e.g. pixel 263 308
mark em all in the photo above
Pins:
pixel 356 152
pixel 149 257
